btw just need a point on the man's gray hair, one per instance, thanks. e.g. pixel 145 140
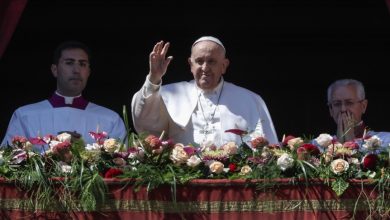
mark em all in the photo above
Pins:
pixel 347 82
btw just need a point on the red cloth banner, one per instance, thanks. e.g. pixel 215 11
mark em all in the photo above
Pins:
pixel 211 199
pixel 10 12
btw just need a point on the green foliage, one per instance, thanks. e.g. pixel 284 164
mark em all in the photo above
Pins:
pixel 70 175
pixel 49 187
pixel 339 186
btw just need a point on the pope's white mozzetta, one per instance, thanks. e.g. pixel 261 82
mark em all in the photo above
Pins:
pixel 175 108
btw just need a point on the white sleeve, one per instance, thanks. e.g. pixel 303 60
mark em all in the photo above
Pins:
pixel 118 130
pixel 15 127
pixel 148 109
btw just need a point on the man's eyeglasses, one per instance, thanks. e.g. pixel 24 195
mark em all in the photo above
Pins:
pixel 347 103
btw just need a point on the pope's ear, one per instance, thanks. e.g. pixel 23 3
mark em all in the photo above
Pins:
pixel 54 70
pixel 226 63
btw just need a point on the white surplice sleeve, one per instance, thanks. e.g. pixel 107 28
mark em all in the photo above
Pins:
pixel 15 127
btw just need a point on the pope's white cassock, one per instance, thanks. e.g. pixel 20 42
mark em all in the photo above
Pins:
pixel 57 114
pixel 192 116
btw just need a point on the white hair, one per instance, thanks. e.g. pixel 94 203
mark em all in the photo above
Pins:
pixel 347 82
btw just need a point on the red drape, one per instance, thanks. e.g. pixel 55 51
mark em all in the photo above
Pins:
pixel 388 3
pixel 211 199
pixel 10 12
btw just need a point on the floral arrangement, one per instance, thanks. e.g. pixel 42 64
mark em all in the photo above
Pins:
pixel 38 164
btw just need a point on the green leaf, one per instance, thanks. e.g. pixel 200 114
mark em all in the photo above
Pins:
pixel 339 186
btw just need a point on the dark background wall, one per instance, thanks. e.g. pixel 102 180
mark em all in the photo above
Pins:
pixel 287 51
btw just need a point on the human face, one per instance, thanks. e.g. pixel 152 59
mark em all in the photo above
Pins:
pixel 72 72
pixel 345 101
pixel 208 64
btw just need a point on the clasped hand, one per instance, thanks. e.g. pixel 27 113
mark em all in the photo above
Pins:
pixel 346 124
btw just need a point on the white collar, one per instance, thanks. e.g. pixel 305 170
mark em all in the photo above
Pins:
pixel 68 99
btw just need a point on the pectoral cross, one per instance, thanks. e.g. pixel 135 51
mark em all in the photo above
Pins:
pixel 207 130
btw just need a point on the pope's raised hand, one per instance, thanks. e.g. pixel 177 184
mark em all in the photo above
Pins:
pixel 158 62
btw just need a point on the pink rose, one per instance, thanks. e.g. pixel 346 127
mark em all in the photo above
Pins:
pixel 351 145
pixel 259 142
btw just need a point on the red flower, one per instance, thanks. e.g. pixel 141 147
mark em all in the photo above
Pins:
pixel 302 153
pixel 153 141
pixel 352 145
pixel 259 142
pixel 286 139
pixel 19 141
pixel 62 148
pixel 306 150
pixel 189 150
pixel 237 132
pixel 312 149
pixel 232 167
pixel 37 141
pixel 99 137
pixel 168 143
pixel 113 172
pixel 369 161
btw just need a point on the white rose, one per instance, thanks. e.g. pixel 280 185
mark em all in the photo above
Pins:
pixel 65 168
pixel 64 137
pixel 110 145
pixel 216 167
pixel 230 148
pixel 93 146
pixel 285 161
pixel 193 161
pixel 339 166
pixel 178 155
pixel 245 170
pixel 372 143
pixel 324 140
